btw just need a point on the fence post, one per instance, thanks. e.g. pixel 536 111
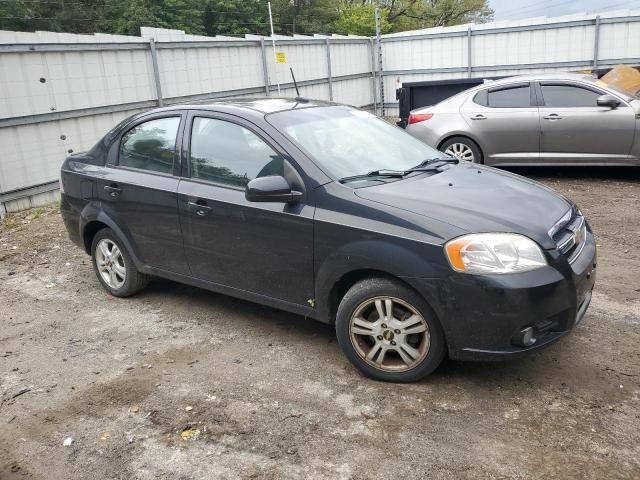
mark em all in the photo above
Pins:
pixel 329 69
pixel 380 68
pixel 265 71
pixel 156 71
pixel 469 52
pixel 596 42
pixel 374 92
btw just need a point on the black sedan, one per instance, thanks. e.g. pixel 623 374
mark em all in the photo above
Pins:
pixel 326 211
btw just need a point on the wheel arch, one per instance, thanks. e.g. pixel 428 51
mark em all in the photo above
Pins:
pixel 93 219
pixel 466 135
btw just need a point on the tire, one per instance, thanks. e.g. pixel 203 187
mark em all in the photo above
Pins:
pixel 464 146
pixel 127 280
pixel 361 331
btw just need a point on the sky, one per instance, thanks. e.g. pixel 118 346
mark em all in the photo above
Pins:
pixel 513 9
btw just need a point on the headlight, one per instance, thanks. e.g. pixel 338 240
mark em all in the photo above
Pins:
pixel 494 253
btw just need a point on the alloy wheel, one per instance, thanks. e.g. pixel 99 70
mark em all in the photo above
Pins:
pixel 461 151
pixel 110 263
pixel 389 334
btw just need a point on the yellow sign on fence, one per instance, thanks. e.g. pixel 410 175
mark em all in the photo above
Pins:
pixel 281 57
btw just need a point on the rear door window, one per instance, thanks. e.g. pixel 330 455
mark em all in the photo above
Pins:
pixel 563 95
pixel 516 96
pixel 150 145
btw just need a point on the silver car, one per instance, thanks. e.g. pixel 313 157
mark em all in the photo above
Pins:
pixel 544 119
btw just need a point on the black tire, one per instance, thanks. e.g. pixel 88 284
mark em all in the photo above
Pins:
pixel 366 291
pixel 473 146
pixel 134 281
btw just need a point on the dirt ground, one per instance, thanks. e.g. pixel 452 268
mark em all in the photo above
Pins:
pixel 181 383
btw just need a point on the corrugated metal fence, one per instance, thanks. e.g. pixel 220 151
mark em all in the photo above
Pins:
pixel 506 48
pixel 61 92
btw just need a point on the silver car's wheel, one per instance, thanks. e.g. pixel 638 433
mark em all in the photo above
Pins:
pixel 110 264
pixel 461 151
pixel 389 334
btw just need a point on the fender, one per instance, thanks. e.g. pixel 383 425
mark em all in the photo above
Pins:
pixel 457 133
pixel 98 211
pixel 375 255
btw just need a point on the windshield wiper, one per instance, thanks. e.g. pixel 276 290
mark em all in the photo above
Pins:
pixel 430 161
pixel 431 165
pixel 374 173
pixel 428 165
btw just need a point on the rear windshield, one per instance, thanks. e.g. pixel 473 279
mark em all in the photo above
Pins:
pixel 345 141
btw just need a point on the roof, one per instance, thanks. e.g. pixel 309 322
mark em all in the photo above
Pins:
pixel 543 76
pixel 259 104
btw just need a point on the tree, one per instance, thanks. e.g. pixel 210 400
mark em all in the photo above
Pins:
pixel 16 15
pixel 360 20
pixel 235 17
pixel 404 15
pixel 413 14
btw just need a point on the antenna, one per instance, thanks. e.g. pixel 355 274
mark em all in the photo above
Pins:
pixel 295 84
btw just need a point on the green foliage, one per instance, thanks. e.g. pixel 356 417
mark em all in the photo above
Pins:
pixel 360 20
pixel 237 17
pixel 234 17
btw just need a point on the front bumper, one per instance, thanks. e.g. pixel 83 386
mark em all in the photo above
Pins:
pixel 483 316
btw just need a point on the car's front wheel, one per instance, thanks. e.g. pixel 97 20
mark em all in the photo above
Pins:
pixel 388 331
pixel 114 266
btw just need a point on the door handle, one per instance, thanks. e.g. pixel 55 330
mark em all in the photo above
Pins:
pixel 112 190
pixel 200 209
pixel 552 116
pixel 478 117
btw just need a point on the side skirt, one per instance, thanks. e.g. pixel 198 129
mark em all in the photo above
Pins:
pixel 303 310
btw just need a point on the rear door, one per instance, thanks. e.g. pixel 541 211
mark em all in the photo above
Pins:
pixel 263 248
pixel 576 130
pixel 139 190
pixel 504 120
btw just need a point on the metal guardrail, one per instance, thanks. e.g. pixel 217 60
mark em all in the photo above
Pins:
pixel 152 46
pixel 123 107
pixel 597 21
pixel 470 33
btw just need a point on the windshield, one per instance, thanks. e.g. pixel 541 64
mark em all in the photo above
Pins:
pixel 628 94
pixel 347 142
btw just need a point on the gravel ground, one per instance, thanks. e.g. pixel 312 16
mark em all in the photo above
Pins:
pixel 181 383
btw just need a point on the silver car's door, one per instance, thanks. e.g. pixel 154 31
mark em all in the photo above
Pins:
pixel 504 121
pixel 576 130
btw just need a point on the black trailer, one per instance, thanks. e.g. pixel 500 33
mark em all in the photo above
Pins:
pixel 414 95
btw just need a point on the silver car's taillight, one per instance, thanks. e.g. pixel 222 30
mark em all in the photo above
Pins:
pixel 418 117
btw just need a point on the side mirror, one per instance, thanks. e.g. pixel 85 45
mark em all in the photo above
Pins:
pixel 271 189
pixel 608 101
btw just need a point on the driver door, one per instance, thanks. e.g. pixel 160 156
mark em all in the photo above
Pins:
pixel 262 248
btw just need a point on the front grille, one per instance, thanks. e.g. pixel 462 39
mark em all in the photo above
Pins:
pixel 570 234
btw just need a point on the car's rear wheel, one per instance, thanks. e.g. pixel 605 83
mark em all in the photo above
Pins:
pixel 114 266
pixel 388 331
pixel 462 148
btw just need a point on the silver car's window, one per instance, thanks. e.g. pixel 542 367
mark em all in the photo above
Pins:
pixel 563 95
pixel 510 97
pixel 482 98
pixel 346 142
pixel 224 152
pixel 150 145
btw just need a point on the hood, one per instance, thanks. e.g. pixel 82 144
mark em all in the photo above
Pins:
pixel 477 199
